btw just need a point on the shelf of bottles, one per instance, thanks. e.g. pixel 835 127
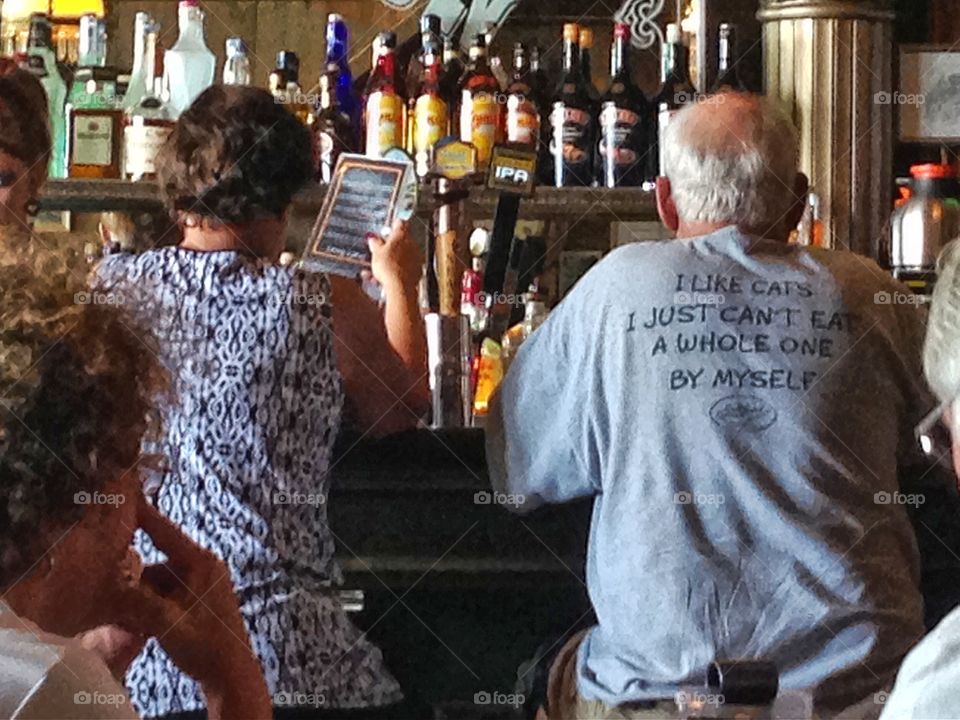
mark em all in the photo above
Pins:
pixel 110 124
pixel 613 204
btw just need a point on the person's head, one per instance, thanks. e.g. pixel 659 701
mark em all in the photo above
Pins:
pixel 78 384
pixel 24 142
pixel 235 160
pixel 731 160
pixel 941 359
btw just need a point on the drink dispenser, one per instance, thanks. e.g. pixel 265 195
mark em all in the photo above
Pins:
pixel 924 224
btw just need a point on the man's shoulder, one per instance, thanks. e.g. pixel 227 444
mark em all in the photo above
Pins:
pixel 927 682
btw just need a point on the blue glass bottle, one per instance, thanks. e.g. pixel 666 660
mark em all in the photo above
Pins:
pixel 337 54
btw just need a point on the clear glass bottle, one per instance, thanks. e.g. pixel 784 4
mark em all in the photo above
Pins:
pixel 534 313
pixel 139 84
pixel 236 67
pixel 43 63
pixel 189 67
pixel 523 111
pixel 148 125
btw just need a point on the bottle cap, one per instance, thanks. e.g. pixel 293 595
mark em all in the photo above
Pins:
pixel 571 31
pixel 673 34
pixel 621 31
pixel 586 38
pixel 430 23
pixel 726 28
pixel 334 18
pixel 933 171
pixel 388 40
pixel 236 46
pixel 189 3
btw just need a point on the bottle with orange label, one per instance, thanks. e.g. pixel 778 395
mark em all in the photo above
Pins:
pixel 523 111
pixel 481 113
pixel 572 122
pixel 431 116
pixel 384 108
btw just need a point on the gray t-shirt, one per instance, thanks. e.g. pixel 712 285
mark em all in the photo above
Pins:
pixel 738 408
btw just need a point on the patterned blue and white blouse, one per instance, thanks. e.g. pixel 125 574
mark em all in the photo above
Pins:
pixel 248 442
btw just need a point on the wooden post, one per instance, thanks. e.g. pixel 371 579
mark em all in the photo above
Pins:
pixel 828 61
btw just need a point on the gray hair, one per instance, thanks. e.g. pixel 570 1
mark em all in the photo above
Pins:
pixel 732 158
pixel 941 350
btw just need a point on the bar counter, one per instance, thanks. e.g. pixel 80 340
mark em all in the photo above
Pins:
pixel 458 591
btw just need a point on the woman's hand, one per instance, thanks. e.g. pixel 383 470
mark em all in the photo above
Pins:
pixel 396 262
pixel 115 646
pixel 188 604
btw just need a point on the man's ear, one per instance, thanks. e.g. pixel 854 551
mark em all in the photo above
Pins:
pixel 801 188
pixel 665 205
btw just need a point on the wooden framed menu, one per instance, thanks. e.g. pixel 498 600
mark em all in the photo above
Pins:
pixel 362 199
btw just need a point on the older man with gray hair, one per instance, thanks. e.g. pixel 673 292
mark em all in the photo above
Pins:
pixel 929 680
pixel 737 407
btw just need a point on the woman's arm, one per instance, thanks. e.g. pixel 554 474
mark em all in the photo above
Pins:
pixel 385 394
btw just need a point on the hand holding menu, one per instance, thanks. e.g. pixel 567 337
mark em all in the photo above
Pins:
pixel 361 200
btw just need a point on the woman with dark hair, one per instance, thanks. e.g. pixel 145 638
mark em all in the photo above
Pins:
pixel 271 361
pixel 78 388
pixel 24 143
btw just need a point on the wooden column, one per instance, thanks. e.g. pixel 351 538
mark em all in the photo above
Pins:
pixel 830 62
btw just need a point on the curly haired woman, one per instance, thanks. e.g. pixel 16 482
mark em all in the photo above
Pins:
pixel 77 390
pixel 271 359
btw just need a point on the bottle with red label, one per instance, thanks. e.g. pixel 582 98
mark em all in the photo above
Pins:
pixel 572 122
pixel 523 110
pixel 431 117
pixel 624 142
pixel 481 112
pixel 384 109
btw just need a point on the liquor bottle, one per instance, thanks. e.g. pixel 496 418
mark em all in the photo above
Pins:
pixel 727 76
pixel 430 43
pixel 287 70
pixel 571 122
pixel 471 295
pixel 139 85
pixel 431 117
pixel 332 129
pixel 534 314
pixel 496 65
pixel 93 114
pixel 148 125
pixel 236 67
pixel 586 64
pixel 677 90
pixel 43 63
pixel 539 80
pixel 338 47
pixel 523 112
pixel 480 112
pixel 189 67
pixel 453 70
pixel 384 117
pixel 623 120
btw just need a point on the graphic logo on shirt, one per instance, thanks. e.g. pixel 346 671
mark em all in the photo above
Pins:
pixel 746 412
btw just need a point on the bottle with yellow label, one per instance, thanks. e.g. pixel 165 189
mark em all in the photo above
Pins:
pixel 384 109
pixel 481 109
pixel 431 117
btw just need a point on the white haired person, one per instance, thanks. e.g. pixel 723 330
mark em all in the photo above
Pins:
pixel 737 408
pixel 928 681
